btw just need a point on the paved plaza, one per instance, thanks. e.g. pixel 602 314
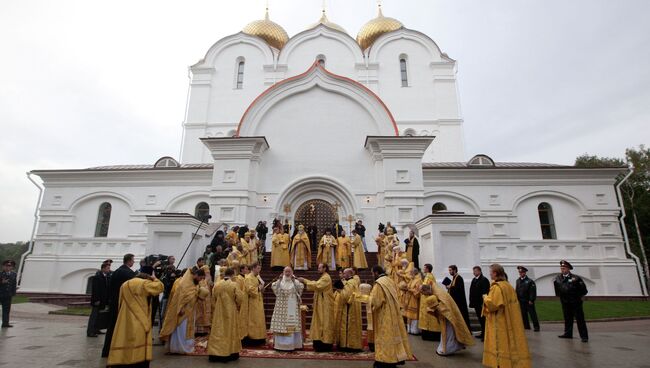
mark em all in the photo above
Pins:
pixel 42 340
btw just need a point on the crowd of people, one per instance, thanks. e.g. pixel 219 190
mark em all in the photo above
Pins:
pixel 222 297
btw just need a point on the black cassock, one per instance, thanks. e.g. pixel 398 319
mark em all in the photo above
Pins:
pixel 457 292
pixel 120 276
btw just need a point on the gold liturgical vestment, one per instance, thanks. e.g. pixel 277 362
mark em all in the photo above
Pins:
pixel 343 252
pixel 132 339
pixel 181 306
pixel 427 321
pixel 326 246
pixel 243 306
pixel 237 255
pixel 254 322
pixel 505 342
pixel 322 320
pixel 444 308
pixel 381 244
pixel 391 340
pixel 204 306
pixel 411 298
pixel 280 250
pixel 359 257
pixel 246 246
pixel 349 326
pixel 225 337
pixel 301 252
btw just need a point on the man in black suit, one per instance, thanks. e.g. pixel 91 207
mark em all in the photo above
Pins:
pixel 479 287
pixel 457 291
pixel 571 288
pixel 120 276
pixel 527 293
pixel 98 299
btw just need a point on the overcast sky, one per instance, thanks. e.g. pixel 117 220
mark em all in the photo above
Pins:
pixel 88 83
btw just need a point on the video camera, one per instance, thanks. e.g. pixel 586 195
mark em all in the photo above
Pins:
pixel 153 258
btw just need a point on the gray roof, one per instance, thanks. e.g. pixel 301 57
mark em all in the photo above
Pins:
pixel 148 167
pixel 498 165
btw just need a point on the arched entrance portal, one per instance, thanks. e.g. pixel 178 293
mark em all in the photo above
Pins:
pixel 316 215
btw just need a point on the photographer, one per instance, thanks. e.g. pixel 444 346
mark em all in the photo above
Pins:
pixel 167 272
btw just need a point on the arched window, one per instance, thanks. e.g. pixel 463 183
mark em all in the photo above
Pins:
pixel 166 162
pixel 201 210
pixel 403 72
pixel 481 161
pixel 103 219
pixel 240 74
pixel 546 221
pixel 438 206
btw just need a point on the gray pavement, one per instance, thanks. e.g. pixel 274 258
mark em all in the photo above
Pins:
pixel 42 340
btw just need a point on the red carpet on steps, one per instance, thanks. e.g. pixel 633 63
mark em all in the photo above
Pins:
pixel 267 352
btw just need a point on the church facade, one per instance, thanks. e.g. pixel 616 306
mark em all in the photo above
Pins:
pixel 321 127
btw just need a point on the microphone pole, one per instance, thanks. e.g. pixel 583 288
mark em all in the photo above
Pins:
pixel 203 219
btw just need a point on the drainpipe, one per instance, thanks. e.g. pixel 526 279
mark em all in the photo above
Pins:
pixel 619 198
pixel 31 239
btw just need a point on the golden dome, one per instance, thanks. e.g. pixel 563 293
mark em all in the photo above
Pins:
pixel 324 21
pixel 267 30
pixel 375 28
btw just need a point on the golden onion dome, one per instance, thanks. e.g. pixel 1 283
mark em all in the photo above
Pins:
pixel 376 27
pixel 326 22
pixel 267 30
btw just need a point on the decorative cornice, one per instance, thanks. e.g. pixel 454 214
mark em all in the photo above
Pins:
pixel 382 147
pixel 225 148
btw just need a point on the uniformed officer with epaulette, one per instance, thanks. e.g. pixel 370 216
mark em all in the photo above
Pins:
pixel 527 293
pixel 571 288
pixel 7 289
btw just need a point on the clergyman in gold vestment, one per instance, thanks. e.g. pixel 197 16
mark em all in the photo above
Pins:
pixel 322 321
pixel 505 342
pixel 391 341
pixel 131 344
pixel 225 342
pixel 178 328
pixel 349 324
pixel 280 257
pixel 255 322
pixel 301 250
pixel 454 335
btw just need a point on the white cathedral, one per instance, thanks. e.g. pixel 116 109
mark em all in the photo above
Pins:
pixel 318 127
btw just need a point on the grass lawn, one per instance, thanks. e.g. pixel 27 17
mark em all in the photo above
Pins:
pixel 552 310
pixel 74 311
pixel 19 299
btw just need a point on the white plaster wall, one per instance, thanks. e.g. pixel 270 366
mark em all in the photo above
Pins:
pixel 316 133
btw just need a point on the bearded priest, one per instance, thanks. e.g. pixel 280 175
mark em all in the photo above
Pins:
pixel 178 327
pixel 301 250
pixel 286 322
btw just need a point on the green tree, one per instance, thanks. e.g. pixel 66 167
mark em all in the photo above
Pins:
pixel 636 196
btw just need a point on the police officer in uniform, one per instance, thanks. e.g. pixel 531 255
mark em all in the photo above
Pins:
pixel 527 293
pixel 7 290
pixel 571 288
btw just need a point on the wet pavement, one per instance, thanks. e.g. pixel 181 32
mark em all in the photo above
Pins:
pixel 41 340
